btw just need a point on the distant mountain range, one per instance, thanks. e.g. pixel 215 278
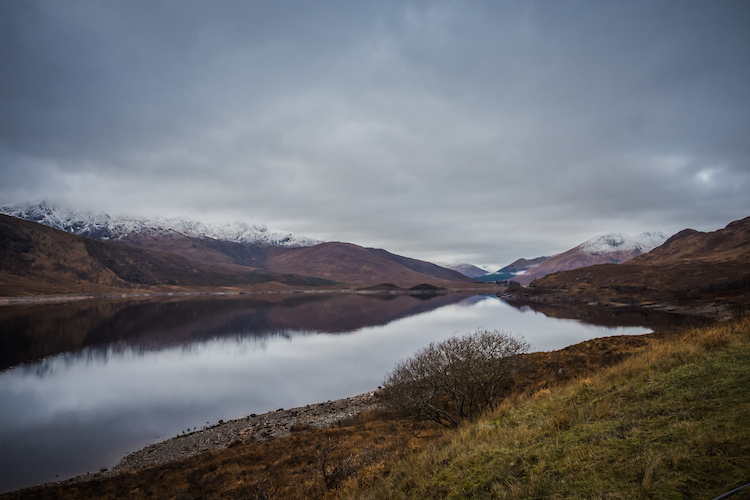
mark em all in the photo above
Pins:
pixel 512 270
pixel 465 268
pixel 44 249
pixel 613 248
pixel 96 253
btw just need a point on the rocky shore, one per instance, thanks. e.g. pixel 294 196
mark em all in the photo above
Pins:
pixel 706 309
pixel 275 424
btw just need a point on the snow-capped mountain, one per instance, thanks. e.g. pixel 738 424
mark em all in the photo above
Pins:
pixel 612 248
pixel 105 227
pixel 620 242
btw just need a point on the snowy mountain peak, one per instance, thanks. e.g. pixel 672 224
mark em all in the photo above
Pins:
pixel 620 242
pixel 103 226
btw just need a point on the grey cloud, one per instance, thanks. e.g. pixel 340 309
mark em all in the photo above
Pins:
pixel 492 130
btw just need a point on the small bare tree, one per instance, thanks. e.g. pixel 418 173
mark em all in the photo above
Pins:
pixel 335 471
pixel 456 379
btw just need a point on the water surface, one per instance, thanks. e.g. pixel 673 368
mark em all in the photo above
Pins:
pixel 83 384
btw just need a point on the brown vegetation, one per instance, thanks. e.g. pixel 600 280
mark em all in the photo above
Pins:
pixel 35 259
pixel 690 269
pixel 672 422
pixel 349 263
pixel 573 259
pixel 457 379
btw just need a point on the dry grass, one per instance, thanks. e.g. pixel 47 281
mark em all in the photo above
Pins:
pixel 673 422
pixel 352 453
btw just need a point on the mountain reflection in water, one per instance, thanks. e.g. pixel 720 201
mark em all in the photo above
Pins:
pixel 34 332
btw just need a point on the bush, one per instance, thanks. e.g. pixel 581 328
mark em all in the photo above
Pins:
pixel 456 379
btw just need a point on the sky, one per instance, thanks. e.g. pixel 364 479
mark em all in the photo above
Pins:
pixel 480 131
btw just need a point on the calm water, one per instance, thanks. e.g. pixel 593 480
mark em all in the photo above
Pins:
pixel 84 384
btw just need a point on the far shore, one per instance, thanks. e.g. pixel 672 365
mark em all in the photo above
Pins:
pixel 73 297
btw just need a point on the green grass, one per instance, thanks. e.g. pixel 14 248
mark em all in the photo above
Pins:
pixel 672 423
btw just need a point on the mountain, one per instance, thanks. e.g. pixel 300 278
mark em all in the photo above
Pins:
pixel 36 259
pixel 613 248
pixel 138 253
pixel 689 266
pixel 464 268
pixel 510 271
pixel 350 263
pixel 102 226
pixel 690 246
pixel 221 244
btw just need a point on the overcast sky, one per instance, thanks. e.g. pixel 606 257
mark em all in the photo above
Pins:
pixel 468 131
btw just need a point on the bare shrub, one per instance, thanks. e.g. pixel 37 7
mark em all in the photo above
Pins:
pixel 335 471
pixel 458 378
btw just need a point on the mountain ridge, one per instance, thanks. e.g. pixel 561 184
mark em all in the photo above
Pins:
pixel 611 248
pixel 102 226
pixel 690 267
pixel 464 268
pixel 513 269
pixel 350 263
pixel 36 259
pixel 250 247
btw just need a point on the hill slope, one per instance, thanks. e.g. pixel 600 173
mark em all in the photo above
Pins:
pixel 37 259
pixel 613 248
pixel 690 266
pixel 725 245
pixel 230 243
pixel 465 268
pixel 238 244
pixel 670 423
pixel 513 269
pixel 350 263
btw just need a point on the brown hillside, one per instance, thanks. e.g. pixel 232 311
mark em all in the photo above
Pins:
pixel 725 245
pixel 204 250
pixel 293 260
pixel 690 267
pixel 345 262
pixel 573 259
pixel 422 267
pixel 36 259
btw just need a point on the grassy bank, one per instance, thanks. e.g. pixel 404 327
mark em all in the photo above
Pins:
pixel 672 422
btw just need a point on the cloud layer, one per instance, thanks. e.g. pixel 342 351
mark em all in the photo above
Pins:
pixel 481 131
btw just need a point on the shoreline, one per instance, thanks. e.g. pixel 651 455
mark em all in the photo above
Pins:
pixel 75 297
pixel 251 428
pixel 710 309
